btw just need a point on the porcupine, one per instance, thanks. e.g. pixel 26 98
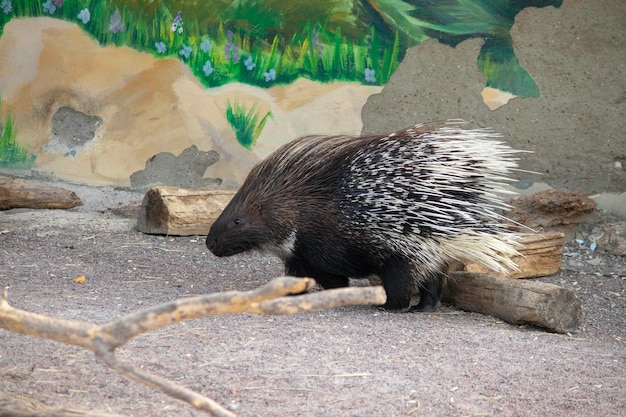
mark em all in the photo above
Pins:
pixel 403 206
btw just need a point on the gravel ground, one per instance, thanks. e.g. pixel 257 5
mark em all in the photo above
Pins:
pixel 352 361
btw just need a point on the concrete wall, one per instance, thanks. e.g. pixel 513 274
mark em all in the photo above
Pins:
pixel 576 129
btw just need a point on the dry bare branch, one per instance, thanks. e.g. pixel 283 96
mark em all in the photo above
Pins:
pixel 103 340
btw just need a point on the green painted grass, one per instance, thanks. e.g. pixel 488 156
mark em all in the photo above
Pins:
pixel 245 123
pixel 314 52
pixel 12 154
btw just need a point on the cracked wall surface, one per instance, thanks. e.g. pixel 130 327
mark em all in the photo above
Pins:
pixel 576 129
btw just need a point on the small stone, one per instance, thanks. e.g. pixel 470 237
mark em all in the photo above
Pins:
pixel 612 237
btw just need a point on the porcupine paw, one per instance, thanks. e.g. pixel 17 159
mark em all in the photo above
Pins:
pixel 430 297
pixel 395 307
pixel 425 306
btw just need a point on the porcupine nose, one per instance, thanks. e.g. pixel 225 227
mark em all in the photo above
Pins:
pixel 211 243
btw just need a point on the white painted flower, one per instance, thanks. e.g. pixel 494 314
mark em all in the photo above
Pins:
pixel 207 68
pixel 6 6
pixel 48 7
pixel 206 45
pixel 84 16
pixel 177 24
pixel 160 47
pixel 185 51
pixel 370 75
pixel 249 63
pixel 270 75
pixel 115 23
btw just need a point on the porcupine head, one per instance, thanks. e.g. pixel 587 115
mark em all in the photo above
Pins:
pixel 401 206
pixel 249 222
pixel 261 215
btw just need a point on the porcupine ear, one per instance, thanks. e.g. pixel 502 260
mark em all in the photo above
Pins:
pixel 256 206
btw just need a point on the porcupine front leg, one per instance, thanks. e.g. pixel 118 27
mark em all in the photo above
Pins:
pixel 397 278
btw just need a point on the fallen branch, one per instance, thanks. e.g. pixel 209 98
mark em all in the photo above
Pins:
pixel 103 340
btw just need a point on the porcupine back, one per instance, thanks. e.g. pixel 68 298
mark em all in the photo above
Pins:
pixel 434 195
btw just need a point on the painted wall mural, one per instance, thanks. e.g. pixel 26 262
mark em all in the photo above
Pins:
pixel 91 90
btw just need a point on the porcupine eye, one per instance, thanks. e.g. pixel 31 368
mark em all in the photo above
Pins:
pixel 237 221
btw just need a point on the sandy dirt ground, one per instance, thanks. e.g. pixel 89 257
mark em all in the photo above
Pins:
pixel 351 361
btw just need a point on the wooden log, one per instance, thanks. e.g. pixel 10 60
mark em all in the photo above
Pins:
pixel 516 301
pixel 181 211
pixel 23 193
pixel 541 256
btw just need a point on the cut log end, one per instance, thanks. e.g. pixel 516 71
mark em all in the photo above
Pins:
pixel 153 214
pixel 563 311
